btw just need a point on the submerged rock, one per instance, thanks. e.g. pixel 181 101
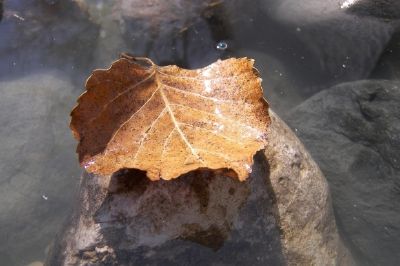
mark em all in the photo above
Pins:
pixel 315 22
pixel 352 131
pixel 281 215
pixel 36 162
pixel 303 47
pixel 186 34
pixel 38 35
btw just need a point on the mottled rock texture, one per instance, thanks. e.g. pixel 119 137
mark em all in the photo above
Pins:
pixel 281 215
pixel 352 131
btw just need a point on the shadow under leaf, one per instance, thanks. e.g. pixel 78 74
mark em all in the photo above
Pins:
pixel 201 217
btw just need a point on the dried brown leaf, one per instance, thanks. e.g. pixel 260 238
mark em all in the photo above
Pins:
pixel 168 121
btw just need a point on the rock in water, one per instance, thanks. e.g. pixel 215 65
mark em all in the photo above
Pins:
pixel 328 30
pixel 312 47
pixel 37 162
pixel 281 215
pixel 45 35
pixel 352 130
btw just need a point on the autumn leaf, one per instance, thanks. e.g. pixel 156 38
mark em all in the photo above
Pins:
pixel 168 121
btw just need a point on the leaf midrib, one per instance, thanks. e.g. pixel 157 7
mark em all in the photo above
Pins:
pixel 176 124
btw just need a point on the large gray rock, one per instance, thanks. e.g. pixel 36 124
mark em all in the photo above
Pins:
pixel 352 131
pixel 37 163
pixel 281 215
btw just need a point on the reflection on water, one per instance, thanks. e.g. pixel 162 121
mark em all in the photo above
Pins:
pixel 48 48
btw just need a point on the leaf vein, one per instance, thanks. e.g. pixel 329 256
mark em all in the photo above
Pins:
pixel 220 117
pixel 213 132
pixel 119 95
pixel 141 142
pixel 167 104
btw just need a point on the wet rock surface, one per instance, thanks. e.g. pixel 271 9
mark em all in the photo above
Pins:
pixel 352 131
pixel 281 215
pixel 34 163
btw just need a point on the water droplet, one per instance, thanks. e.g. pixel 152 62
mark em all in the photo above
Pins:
pixel 222 45
pixel 298 29
pixel 344 66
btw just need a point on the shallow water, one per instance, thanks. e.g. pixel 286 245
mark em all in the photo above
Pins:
pixel 49 47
